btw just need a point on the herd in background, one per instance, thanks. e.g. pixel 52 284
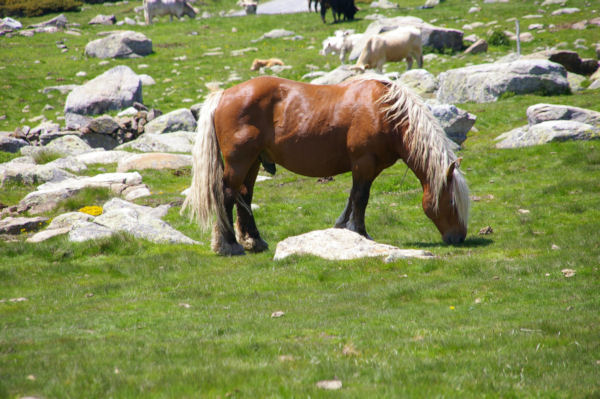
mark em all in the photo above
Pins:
pixel 341 9
pixel 400 44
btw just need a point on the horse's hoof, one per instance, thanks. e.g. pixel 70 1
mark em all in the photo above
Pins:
pixel 254 244
pixel 227 249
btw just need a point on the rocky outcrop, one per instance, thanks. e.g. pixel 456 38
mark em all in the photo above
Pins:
pixel 342 244
pixel 48 195
pixel 487 82
pixel 120 44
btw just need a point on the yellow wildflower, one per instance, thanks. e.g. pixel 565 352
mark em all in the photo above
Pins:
pixel 92 210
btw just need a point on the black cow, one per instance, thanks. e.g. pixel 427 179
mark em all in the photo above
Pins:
pixel 339 7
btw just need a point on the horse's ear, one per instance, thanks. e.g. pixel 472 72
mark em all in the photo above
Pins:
pixel 450 171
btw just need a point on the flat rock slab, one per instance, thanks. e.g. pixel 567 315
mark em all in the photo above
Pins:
pixel 166 142
pixel 342 244
pixel 48 195
pixel 24 170
pixel 546 132
pixel 155 161
pixel 19 225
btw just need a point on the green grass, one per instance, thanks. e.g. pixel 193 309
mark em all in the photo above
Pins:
pixel 45 156
pixel 494 317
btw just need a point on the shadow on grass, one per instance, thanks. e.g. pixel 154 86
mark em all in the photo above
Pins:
pixel 473 242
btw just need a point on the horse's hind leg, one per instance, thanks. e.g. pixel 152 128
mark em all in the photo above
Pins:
pixel 245 227
pixel 341 222
pixel 223 237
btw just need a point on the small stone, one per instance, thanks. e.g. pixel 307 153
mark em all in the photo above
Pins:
pixel 185 305
pixel 330 384
pixel 286 358
pixel 486 230
pixel 31 377
pixel 277 314
pixel 568 272
pixel 349 350
pixel 555 247
pixel 523 211
pixel 478 300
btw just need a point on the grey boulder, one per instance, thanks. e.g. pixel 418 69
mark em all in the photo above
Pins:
pixel 420 80
pixel 487 82
pixel 539 113
pixel 181 119
pixel 120 44
pixel 455 121
pixel 11 144
pixel 115 89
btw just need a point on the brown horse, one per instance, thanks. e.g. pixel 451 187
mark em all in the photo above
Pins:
pixel 363 125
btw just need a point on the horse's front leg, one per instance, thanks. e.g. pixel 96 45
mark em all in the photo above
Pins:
pixel 359 198
pixel 245 227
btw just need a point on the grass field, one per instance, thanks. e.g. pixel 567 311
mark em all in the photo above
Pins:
pixel 494 317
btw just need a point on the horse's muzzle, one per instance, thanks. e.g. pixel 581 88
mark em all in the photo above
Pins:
pixel 454 238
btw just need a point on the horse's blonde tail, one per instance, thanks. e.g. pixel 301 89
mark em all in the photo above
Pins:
pixel 205 197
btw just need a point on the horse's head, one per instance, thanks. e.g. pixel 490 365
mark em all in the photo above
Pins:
pixel 451 214
pixel 189 10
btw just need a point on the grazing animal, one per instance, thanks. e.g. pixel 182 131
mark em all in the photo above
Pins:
pixel 339 8
pixel 396 45
pixel 258 63
pixel 157 8
pixel 249 6
pixel 343 42
pixel 361 125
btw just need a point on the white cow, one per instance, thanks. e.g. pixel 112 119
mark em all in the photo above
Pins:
pixel 395 45
pixel 343 42
pixel 157 8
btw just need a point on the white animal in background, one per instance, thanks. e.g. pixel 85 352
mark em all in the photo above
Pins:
pixel 157 8
pixel 395 45
pixel 343 42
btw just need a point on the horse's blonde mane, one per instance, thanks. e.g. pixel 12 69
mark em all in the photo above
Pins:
pixel 429 147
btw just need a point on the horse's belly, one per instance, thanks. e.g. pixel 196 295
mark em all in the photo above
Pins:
pixel 316 158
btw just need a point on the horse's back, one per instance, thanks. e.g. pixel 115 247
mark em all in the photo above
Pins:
pixel 314 130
